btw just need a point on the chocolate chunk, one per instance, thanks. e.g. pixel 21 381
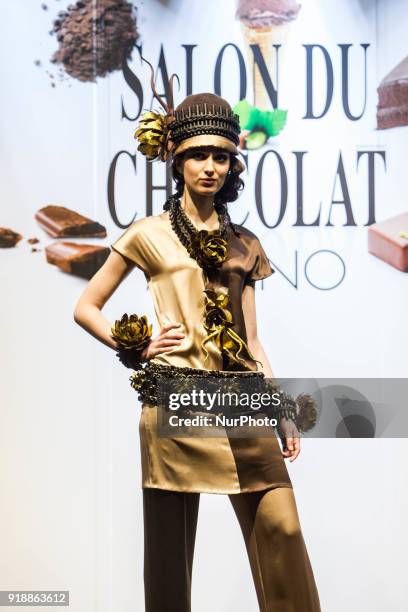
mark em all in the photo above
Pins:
pixel 82 260
pixel 392 108
pixel 60 222
pixel 8 238
pixel 32 240
pixel 388 240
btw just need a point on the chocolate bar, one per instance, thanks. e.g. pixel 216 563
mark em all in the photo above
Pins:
pixel 82 260
pixel 388 240
pixel 392 108
pixel 61 222
pixel 8 238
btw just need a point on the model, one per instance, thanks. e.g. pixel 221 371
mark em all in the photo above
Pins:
pixel 201 270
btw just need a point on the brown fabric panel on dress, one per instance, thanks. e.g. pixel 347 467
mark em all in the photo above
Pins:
pixel 246 261
pixel 259 462
pixel 261 267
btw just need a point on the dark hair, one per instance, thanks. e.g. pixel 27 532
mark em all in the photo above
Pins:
pixel 229 191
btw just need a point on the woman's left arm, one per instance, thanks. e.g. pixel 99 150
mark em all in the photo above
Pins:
pixel 291 444
pixel 249 309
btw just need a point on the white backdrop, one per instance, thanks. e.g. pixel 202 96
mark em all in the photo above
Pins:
pixel 69 457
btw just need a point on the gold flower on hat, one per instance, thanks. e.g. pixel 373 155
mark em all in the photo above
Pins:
pixel 152 134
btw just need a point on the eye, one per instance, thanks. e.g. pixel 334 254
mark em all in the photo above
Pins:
pixel 221 157
pixel 198 155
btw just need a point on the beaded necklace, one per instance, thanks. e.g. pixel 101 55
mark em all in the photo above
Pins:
pixel 207 247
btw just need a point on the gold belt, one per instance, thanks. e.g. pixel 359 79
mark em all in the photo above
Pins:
pixel 147 379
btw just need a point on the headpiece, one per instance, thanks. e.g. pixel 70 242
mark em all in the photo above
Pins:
pixel 203 119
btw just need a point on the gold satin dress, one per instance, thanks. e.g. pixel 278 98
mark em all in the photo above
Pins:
pixel 224 465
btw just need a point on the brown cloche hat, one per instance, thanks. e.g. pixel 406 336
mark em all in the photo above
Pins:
pixel 203 119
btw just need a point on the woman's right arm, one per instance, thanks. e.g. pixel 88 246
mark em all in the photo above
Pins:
pixel 100 288
pixel 102 285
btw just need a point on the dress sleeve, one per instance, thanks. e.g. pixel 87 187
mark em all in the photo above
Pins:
pixel 261 267
pixel 132 245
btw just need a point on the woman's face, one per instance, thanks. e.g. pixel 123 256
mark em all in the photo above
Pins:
pixel 205 169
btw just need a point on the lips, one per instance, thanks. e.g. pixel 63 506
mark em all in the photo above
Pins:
pixel 208 181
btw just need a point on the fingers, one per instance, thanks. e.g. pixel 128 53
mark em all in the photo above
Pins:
pixel 168 327
pixel 172 335
pixel 295 449
pixel 291 448
pixel 166 332
pixel 167 340
pixel 162 346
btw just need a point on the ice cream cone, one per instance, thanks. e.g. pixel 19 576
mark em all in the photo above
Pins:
pixel 265 38
pixel 265 23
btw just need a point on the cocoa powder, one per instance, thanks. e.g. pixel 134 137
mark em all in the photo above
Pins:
pixel 93 37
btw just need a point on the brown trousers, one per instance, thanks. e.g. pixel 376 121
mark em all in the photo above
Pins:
pixel 270 525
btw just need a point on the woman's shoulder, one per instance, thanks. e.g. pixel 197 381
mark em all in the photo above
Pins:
pixel 138 241
pixel 245 233
pixel 148 223
pixel 256 256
